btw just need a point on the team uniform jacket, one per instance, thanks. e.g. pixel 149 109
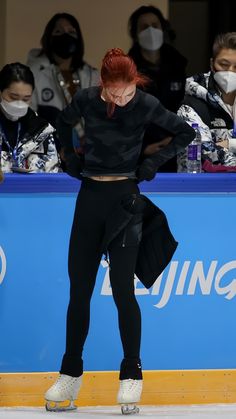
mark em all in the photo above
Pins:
pixel 48 96
pixel 36 150
pixel 203 105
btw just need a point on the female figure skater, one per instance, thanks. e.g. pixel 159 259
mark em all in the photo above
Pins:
pixel 116 115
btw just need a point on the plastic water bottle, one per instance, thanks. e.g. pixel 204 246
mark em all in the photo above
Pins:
pixel 194 151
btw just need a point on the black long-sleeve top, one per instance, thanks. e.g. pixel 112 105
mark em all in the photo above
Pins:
pixel 113 144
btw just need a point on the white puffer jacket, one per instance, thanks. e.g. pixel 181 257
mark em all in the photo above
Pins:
pixel 35 151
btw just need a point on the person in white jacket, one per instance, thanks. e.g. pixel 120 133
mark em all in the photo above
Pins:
pixel 26 140
pixel 210 101
pixel 60 70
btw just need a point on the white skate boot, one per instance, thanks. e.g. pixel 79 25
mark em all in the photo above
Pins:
pixel 65 389
pixel 129 394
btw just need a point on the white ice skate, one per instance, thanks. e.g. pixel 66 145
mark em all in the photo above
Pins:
pixel 65 389
pixel 129 394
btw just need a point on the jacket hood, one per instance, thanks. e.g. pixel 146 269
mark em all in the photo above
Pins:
pixel 35 56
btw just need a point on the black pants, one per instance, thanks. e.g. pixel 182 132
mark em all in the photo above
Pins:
pixel 95 202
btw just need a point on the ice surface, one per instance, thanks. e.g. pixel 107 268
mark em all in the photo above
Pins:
pixel 218 411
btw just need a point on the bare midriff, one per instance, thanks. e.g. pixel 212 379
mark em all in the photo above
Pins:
pixel 108 178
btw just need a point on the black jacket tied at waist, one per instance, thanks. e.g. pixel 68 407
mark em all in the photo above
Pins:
pixel 137 220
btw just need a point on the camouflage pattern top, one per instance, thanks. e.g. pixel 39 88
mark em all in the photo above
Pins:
pixel 113 144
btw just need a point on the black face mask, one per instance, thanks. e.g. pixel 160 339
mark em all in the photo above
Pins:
pixel 64 45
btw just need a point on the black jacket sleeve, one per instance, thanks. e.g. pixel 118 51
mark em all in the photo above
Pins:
pixel 182 134
pixel 67 119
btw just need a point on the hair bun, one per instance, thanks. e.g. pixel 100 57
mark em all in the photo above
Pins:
pixel 114 52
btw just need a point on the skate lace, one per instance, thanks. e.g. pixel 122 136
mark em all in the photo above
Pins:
pixel 131 386
pixel 66 382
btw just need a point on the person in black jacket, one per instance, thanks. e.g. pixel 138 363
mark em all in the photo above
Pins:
pixel 109 211
pixel 162 63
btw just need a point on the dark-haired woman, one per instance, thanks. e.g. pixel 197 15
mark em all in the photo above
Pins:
pixel 165 67
pixel 109 211
pixel 26 140
pixel 60 69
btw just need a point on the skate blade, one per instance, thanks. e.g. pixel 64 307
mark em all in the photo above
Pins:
pixel 59 406
pixel 129 409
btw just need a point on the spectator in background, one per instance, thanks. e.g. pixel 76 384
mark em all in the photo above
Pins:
pixel 26 140
pixel 210 102
pixel 60 70
pixel 162 64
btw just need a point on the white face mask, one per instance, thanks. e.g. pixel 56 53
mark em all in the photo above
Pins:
pixel 151 38
pixel 226 80
pixel 15 109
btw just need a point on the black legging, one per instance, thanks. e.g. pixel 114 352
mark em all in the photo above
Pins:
pixel 95 202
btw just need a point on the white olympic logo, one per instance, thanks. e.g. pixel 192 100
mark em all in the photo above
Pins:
pixel 3 268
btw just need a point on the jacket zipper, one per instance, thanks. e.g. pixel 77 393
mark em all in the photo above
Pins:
pixel 125 232
pixel 124 237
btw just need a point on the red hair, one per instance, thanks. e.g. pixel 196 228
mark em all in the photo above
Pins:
pixel 119 67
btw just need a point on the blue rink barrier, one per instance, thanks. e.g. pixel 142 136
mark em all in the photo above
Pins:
pixel 189 313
